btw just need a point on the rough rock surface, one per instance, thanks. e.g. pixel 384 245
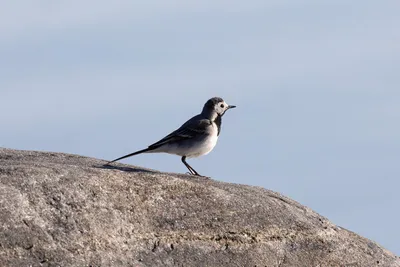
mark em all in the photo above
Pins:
pixel 67 210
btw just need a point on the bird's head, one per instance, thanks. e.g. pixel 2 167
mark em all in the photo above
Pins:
pixel 215 106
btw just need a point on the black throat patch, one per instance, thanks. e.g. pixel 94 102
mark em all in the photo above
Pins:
pixel 218 122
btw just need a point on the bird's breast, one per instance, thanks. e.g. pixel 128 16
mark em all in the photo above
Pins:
pixel 206 144
pixel 212 138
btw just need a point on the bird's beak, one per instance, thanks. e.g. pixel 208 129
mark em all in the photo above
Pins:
pixel 231 106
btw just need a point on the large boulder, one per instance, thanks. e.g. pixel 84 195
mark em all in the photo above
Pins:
pixel 67 210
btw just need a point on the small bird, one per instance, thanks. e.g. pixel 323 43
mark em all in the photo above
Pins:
pixel 196 137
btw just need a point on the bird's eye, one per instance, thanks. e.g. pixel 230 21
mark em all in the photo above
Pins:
pixel 222 106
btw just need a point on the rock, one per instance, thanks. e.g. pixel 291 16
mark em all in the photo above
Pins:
pixel 68 210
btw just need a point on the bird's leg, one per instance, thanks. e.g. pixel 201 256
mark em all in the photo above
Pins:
pixel 192 171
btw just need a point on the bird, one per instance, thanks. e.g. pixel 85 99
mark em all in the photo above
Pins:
pixel 195 138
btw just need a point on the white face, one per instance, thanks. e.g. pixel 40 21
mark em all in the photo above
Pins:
pixel 221 107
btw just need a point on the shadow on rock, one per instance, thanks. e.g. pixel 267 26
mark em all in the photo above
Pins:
pixel 125 169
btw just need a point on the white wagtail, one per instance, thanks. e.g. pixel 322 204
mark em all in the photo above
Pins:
pixel 196 137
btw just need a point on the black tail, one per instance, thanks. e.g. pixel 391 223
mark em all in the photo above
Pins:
pixel 130 155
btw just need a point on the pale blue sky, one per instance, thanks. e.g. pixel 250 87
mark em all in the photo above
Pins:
pixel 317 85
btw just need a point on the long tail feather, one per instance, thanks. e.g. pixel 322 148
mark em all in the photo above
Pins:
pixel 130 155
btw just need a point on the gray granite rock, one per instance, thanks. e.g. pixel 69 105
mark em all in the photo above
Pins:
pixel 67 210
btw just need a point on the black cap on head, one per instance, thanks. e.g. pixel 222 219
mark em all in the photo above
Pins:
pixel 213 101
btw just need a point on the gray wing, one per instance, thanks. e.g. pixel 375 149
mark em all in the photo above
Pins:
pixel 190 129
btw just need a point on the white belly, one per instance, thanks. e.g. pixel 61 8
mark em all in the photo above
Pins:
pixel 196 148
pixel 208 146
pixel 199 149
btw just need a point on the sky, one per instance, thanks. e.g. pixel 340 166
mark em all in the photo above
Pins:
pixel 316 84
